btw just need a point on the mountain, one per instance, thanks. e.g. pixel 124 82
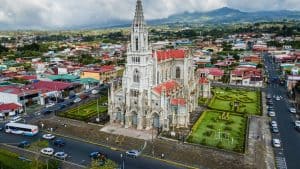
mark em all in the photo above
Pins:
pixel 227 15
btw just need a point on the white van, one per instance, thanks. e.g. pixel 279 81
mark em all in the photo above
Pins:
pixel 15 119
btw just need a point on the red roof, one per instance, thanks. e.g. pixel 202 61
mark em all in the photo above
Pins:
pixel 27 77
pixel 178 101
pixel 46 86
pixel 168 86
pixel 101 69
pixel 203 80
pixel 170 54
pixel 213 71
pixel 9 106
pixel 18 91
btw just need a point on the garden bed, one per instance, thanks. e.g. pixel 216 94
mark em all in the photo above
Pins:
pixel 222 130
pixel 86 111
pixel 236 100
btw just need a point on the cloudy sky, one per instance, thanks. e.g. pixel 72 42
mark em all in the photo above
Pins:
pixel 43 14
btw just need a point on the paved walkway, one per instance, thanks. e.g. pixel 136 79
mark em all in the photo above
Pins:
pixel 129 132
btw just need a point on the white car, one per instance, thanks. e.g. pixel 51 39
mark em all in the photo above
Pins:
pixel 15 119
pixel 293 110
pixel 133 153
pixel 273 124
pixel 297 124
pixel 95 91
pixel 61 155
pixel 278 98
pixel 48 136
pixel 272 114
pixel 77 100
pixel 47 151
pixel 276 143
pixel 50 105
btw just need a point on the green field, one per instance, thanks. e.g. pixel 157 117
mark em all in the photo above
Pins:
pixel 220 129
pixel 235 100
pixel 86 111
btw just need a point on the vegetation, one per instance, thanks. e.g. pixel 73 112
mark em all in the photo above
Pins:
pixel 239 101
pixel 9 160
pixel 220 129
pixel 86 111
pixel 107 164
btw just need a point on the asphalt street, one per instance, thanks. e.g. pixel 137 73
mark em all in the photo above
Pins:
pixel 79 152
pixel 288 155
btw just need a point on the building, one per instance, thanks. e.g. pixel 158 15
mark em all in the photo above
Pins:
pixel 9 110
pixel 158 87
pixel 103 74
pixel 246 76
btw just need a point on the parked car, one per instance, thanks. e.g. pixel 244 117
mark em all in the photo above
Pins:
pixel 15 119
pixel 273 123
pixel 293 110
pixel 61 155
pixel 270 108
pixel 47 151
pixel 276 143
pixel 297 125
pixel 275 129
pixel 133 153
pixel 59 143
pixel 50 105
pixel 77 100
pixel 97 155
pixel 95 91
pixel 47 111
pixel 270 103
pixel 24 144
pixel 271 113
pixel 48 136
pixel 269 96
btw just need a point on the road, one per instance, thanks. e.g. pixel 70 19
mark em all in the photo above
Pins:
pixel 79 152
pixel 288 155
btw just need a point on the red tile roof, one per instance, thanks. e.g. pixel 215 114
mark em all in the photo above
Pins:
pixel 46 86
pixel 9 106
pixel 101 69
pixel 168 86
pixel 170 54
pixel 18 91
pixel 178 101
pixel 27 77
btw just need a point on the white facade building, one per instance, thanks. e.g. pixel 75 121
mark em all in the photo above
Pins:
pixel 158 87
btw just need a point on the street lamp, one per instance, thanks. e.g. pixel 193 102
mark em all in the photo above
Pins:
pixel 123 161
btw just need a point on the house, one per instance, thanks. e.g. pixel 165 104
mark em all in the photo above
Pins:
pixel 103 74
pixel 252 58
pixel 212 74
pixel 245 76
pixel 9 110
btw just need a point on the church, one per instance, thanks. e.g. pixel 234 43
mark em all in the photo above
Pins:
pixel 159 88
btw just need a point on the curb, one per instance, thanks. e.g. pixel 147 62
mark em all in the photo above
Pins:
pixel 120 149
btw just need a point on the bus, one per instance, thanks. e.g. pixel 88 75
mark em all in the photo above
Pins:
pixel 21 129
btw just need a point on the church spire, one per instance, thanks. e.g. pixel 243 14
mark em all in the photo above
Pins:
pixel 139 15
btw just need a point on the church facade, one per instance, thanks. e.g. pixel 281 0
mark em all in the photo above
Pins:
pixel 159 88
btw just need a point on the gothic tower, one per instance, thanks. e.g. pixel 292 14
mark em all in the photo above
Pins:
pixel 138 75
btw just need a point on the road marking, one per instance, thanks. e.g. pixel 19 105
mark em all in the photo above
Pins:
pixel 281 163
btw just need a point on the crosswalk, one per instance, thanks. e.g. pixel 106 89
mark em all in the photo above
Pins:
pixel 281 163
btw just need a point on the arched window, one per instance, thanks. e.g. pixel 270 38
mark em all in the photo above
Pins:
pixel 136 76
pixel 136 44
pixel 177 72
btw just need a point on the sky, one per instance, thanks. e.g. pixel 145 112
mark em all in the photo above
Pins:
pixel 56 14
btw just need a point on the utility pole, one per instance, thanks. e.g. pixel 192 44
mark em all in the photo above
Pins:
pixel 98 120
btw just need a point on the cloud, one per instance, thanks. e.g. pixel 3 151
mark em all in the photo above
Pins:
pixel 28 14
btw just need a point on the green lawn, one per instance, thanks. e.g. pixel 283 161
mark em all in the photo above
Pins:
pixel 220 129
pixel 86 111
pixel 248 102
